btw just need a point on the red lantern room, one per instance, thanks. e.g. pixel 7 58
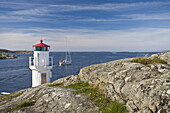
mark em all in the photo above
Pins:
pixel 41 46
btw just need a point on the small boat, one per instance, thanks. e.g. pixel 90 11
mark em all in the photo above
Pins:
pixel 67 60
pixel 5 93
pixel 64 62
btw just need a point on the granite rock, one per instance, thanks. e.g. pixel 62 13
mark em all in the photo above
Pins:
pixel 143 88
pixel 49 100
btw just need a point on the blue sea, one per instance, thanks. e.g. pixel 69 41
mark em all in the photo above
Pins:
pixel 16 75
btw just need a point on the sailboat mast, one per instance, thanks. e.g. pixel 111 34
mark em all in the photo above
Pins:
pixel 66 49
pixel 69 55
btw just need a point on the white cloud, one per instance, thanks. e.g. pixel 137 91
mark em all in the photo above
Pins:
pixel 159 16
pixel 90 40
pixel 28 8
pixel 8 18
pixel 130 17
pixel 40 12
pixel 108 6
pixel 32 11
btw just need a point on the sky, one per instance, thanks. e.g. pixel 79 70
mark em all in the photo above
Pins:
pixel 86 25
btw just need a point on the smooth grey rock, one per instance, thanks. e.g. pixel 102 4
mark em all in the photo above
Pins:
pixel 50 100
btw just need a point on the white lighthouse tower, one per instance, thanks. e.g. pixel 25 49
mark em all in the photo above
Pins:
pixel 41 64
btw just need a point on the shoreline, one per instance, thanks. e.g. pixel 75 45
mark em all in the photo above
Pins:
pixel 8 56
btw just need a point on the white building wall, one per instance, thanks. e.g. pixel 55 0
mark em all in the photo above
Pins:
pixel 41 58
pixel 36 77
pixel 48 77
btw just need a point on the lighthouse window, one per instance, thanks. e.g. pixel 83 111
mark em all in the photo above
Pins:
pixel 37 48
pixel 43 48
pixel 40 49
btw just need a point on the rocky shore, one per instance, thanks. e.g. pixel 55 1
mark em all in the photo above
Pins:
pixel 7 56
pixel 142 88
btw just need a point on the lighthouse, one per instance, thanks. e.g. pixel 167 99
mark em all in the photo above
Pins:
pixel 41 64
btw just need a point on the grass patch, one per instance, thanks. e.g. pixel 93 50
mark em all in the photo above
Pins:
pixel 115 107
pixel 24 104
pixel 56 85
pixel 10 96
pixel 147 61
pixel 105 104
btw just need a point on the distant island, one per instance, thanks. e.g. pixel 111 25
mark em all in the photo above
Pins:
pixel 148 51
pixel 16 52
pixel 8 54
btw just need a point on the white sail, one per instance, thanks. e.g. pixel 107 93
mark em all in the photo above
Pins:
pixel 67 59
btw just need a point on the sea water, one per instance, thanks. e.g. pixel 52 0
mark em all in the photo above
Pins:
pixel 16 75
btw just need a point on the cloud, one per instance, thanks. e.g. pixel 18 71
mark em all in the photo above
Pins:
pixel 159 16
pixel 130 17
pixel 32 11
pixel 82 39
pixel 89 40
pixel 17 5
pixel 106 6
pixel 51 13
pixel 8 18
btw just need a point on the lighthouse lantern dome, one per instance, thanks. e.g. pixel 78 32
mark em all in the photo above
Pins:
pixel 41 46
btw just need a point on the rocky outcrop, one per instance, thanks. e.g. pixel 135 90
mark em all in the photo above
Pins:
pixel 7 56
pixel 143 88
pixel 48 100
pixel 163 56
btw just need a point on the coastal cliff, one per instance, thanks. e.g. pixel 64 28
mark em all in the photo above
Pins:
pixel 142 88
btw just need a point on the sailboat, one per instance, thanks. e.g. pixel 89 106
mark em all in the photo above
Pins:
pixel 67 60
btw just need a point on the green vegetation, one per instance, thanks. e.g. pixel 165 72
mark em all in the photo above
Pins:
pixel 56 85
pixel 115 107
pixel 105 104
pixel 24 104
pixel 146 61
pixel 10 96
pixel 5 50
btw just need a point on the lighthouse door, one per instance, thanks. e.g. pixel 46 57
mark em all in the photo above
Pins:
pixel 43 78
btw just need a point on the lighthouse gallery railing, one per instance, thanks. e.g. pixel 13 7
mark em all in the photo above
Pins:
pixel 35 62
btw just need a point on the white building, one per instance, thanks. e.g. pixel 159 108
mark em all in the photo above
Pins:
pixel 41 64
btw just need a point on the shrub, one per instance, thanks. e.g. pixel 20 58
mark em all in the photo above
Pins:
pixel 24 104
pixel 115 107
pixel 10 96
pixel 56 85
pixel 146 61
